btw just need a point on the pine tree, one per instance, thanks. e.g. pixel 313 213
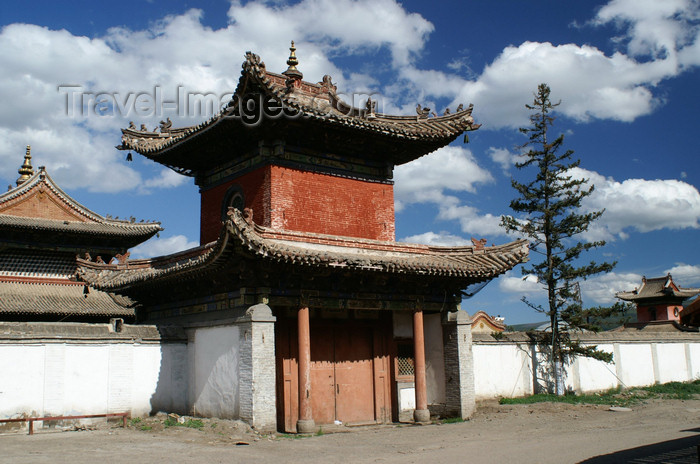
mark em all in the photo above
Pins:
pixel 550 204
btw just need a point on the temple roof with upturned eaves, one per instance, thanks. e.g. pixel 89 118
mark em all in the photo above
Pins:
pixel 38 206
pixel 658 288
pixel 243 238
pixel 394 139
pixel 49 300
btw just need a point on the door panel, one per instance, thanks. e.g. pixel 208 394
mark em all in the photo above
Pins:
pixel 354 375
pixel 322 376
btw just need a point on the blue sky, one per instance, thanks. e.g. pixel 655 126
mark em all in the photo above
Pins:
pixel 627 72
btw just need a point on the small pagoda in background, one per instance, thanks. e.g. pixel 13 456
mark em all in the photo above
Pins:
pixel 42 230
pixel 658 299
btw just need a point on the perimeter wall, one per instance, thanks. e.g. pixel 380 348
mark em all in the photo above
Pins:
pixel 510 366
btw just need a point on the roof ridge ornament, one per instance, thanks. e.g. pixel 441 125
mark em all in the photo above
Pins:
pixel 293 74
pixel 26 170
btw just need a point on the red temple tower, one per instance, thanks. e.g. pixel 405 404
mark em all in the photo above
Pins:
pixel 298 249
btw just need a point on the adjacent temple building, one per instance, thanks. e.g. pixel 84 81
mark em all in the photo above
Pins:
pixel 299 307
pixel 658 299
pixel 41 231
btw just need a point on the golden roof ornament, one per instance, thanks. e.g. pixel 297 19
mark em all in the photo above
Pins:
pixel 26 170
pixel 292 72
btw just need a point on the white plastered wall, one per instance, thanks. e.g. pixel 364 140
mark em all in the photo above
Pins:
pixel 215 357
pixel 47 378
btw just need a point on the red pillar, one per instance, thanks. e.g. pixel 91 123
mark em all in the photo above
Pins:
pixel 421 414
pixel 305 424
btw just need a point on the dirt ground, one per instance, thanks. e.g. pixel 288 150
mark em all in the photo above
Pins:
pixel 658 431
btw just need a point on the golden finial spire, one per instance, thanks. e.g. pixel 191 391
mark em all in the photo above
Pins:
pixel 26 171
pixel 292 72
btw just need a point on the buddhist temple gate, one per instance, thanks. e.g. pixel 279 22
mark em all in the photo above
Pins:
pixel 298 256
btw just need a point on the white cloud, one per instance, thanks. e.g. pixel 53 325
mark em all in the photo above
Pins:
pixel 601 289
pixel 162 246
pixel 685 275
pixel 426 179
pixel 437 239
pixel 526 285
pixel 597 290
pixel 166 179
pixel 639 204
pixel 503 157
pixel 180 51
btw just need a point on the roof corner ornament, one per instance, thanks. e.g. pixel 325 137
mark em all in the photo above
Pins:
pixel 248 215
pixel 422 112
pixel 292 73
pixel 26 170
pixel 165 126
pixel 370 108
pixel 327 85
pixel 479 244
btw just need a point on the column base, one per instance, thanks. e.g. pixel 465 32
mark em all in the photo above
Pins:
pixel 421 415
pixel 306 426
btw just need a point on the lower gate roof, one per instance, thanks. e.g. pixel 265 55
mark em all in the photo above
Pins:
pixel 241 237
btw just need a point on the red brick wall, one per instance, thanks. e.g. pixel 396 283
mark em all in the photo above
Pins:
pixel 663 313
pixel 256 191
pixel 291 199
pixel 43 205
pixel 319 203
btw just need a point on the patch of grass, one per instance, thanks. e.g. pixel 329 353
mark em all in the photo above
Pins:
pixel 213 425
pixel 135 420
pixel 616 397
pixel 146 427
pixel 292 436
pixel 319 432
pixel 676 390
pixel 451 420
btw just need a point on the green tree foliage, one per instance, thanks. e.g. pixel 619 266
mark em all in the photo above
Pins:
pixel 552 220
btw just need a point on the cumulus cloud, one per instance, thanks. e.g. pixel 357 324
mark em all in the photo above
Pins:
pixel 166 179
pixel 437 239
pixel 526 285
pixel 447 169
pixel 162 246
pixel 685 275
pixel 639 204
pixel 596 291
pixel 503 157
pixel 600 290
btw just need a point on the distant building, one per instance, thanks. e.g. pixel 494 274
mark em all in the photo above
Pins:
pixel 658 299
pixel 41 231
pixel 484 323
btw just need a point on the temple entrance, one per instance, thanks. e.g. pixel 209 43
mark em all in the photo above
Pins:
pixel 350 374
pixel 342 374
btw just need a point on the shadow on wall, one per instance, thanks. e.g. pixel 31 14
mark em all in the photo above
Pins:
pixel 172 386
pixel 679 450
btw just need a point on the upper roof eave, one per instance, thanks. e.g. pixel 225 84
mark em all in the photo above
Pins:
pixel 439 130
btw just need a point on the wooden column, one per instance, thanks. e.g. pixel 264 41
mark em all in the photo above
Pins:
pixel 421 414
pixel 305 424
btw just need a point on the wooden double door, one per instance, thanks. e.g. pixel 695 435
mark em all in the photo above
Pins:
pixel 350 374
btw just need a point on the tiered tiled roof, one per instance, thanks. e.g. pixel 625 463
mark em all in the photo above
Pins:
pixel 242 237
pixel 65 300
pixel 314 103
pixel 658 288
pixel 59 213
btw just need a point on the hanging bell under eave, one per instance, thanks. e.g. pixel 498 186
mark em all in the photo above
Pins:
pixel 129 158
pixel 86 291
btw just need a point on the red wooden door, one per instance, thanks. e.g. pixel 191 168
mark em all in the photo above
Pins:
pixel 354 379
pixel 322 376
